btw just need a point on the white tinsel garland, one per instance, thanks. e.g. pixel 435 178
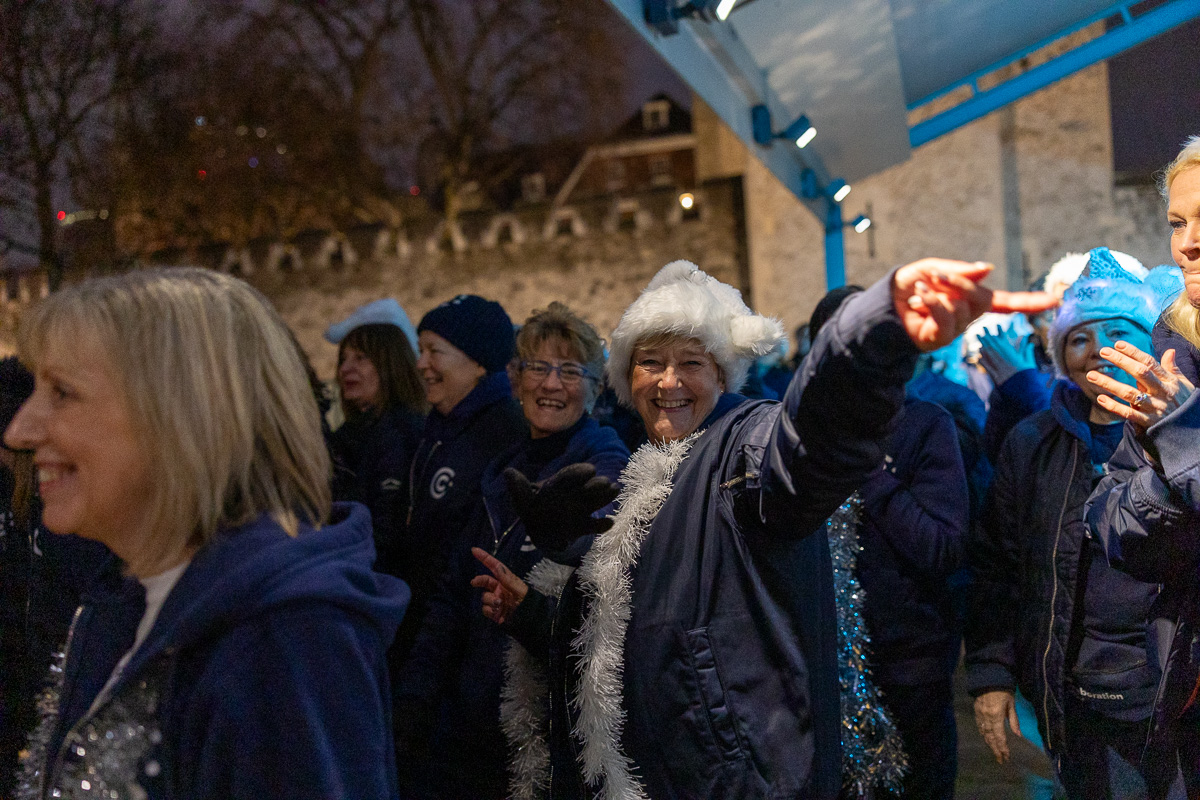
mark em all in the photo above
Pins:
pixel 872 753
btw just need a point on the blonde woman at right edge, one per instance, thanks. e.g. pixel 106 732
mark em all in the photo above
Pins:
pixel 1147 508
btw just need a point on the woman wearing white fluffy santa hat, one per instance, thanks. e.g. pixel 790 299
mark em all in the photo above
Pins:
pixel 692 652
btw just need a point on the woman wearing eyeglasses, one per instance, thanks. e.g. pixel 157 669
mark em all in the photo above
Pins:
pixel 448 700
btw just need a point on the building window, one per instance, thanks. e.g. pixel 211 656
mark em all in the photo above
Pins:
pixel 616 175
pixel 564 226
pixel 656 115
pixel 533 188
pixel 660 170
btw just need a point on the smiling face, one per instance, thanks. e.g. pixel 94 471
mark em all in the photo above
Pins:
pixel 550 404
pixel 94 475
pixel 675 386
pixel 358 379
pixel 448 373
pixel 1081 353
pixel 1183 214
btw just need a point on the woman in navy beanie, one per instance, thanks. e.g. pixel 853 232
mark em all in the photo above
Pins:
pixel 465 345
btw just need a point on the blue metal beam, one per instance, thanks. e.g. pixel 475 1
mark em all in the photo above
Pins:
pixel 1109 44
pixel 972 80
pixel 835 246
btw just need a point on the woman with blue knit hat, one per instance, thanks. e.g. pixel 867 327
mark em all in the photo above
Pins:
pixel 1049 615
pixel 465 345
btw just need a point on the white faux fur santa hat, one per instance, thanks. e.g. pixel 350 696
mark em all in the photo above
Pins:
pixel 683 300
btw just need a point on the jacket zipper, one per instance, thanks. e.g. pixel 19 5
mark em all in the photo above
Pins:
pixel 550 718
pixel 1054 591
pixel 498 539
pixel 1162 687
pixel 52 774
pixel 412 477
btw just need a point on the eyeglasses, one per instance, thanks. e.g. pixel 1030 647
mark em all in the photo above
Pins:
pixel 569 373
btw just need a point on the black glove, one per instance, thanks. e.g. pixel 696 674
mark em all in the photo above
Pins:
pixel 559 510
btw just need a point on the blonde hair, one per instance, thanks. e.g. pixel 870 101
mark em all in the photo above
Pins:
pixel 217 392
pixel 1182 317
pixel 1188 157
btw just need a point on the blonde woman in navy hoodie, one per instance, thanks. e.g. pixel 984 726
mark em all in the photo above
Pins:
pixel 172 420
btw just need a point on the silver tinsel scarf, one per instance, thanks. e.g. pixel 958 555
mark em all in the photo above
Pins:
pixel 872 753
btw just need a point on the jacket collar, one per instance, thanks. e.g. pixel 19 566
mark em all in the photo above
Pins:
pixel 725 403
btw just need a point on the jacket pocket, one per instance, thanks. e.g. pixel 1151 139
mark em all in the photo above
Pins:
pixel 1122 691
pixel 722 724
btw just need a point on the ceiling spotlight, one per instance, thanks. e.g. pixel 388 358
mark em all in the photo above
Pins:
pixel 664 15
pixel 838 190
pixel 861 223
pixel 801 131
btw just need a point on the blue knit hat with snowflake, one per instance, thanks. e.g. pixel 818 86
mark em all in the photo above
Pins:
pixel 1106 290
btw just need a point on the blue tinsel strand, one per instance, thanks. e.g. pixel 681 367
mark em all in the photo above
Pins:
pixel 872 754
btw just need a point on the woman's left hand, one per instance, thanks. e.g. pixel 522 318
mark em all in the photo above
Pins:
pixel 1161 388
pixel 502 590
pixel 937 298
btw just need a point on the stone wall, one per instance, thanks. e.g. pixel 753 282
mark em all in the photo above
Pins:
pixel 1019 188
pixel 597 272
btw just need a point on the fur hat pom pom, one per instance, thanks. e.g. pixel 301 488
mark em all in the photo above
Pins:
pixel 1166 282
pixel 758 335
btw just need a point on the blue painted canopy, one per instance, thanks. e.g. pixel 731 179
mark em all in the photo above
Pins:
pixel 859 68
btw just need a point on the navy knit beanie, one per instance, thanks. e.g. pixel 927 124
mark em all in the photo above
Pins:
pixel 478 327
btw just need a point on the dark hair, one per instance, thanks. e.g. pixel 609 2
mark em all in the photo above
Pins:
pixel 827 306
pixel 16 384
pixel 389 351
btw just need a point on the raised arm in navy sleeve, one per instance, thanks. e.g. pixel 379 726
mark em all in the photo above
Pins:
pixel 837 411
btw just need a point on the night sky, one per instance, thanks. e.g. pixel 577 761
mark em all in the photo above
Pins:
pixel 1155 94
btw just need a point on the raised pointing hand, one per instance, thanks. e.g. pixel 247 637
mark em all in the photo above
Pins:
pixel 937 298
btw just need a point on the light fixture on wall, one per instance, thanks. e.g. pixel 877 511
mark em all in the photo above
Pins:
pixel 801 131
pixel 687 200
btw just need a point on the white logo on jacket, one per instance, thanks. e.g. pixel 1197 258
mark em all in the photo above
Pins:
pixel 443 479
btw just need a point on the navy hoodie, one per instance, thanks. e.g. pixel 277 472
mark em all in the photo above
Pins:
pixel 264 674
pixel 444 486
